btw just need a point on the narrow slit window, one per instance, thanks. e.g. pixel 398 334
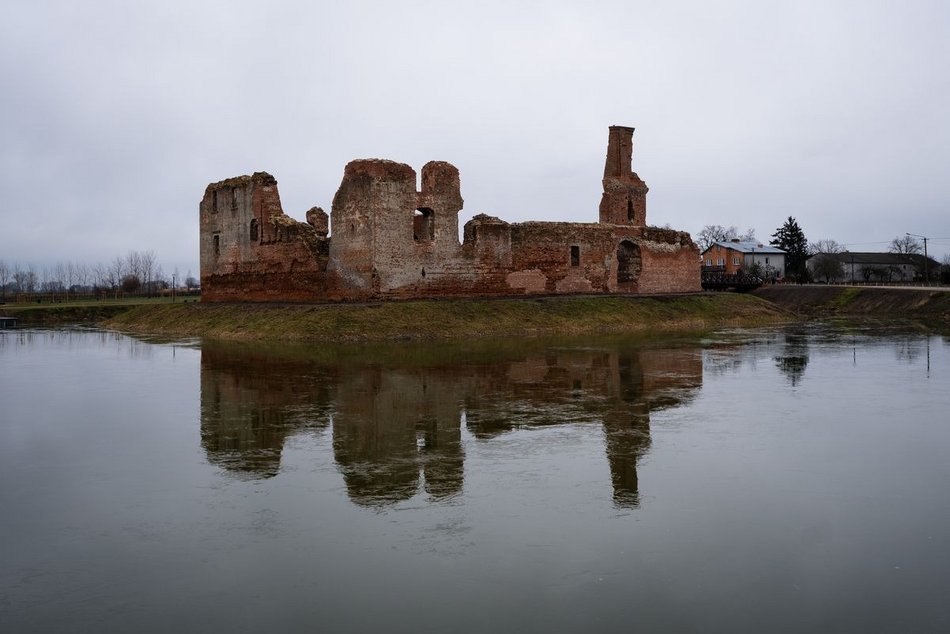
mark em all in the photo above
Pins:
pixel 575 256
pixel 217 245
pixel 255 231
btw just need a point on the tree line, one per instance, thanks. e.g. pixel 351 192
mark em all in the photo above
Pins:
pixel 136 273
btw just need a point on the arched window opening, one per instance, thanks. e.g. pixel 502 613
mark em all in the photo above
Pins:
pixel 255 231
pixel 423 225
pixel 629 262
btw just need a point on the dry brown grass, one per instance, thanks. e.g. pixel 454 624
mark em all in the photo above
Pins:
pixel 449 320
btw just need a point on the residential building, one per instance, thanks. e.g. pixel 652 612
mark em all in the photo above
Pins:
pixel 883 267
pixel 735 256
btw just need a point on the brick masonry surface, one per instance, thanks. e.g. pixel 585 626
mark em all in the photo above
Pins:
pixel 389 240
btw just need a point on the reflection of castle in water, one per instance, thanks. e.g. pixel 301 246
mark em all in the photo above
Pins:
pixel 398 426
pixel 251 402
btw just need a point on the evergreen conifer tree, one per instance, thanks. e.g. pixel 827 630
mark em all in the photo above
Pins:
pixel 791 239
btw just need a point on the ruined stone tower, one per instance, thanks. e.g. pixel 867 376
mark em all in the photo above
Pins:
pixel 625 196
pixel 384 239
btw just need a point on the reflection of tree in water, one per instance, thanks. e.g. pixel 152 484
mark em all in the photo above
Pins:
pixel 793 359
pixel 397 428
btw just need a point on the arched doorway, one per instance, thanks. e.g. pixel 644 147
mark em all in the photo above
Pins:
pixel 629 263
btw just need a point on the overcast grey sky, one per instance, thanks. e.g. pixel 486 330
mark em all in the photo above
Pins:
pixel 116 115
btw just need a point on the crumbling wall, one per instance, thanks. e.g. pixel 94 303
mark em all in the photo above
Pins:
pixel 372 194
pixel 251 251
pixel 670 262
pixel 392 241
pixel 624 201
pixel 560 257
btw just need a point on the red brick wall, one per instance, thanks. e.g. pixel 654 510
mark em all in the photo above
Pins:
pixel 377 249
pixel 276 259
pixel 728 255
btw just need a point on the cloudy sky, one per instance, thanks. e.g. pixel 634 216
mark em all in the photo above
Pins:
pixel 116 115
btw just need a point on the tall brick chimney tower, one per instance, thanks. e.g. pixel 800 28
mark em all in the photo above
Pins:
pixel 625 196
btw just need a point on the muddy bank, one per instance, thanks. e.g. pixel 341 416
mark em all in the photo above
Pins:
pixel 55 314
pixel 884 302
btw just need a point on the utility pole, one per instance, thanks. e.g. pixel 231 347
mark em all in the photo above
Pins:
pixel 926 258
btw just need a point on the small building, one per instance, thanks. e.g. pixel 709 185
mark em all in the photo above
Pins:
pixel 881 267
pixel 736 256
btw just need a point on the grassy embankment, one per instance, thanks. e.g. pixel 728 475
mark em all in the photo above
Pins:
pixel 499 318
pixel 888 303
pixel 449 319
pixel 76 312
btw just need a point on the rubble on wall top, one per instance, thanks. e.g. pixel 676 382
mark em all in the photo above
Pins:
pixel 485 219
pixel 379 168
pixel 257 178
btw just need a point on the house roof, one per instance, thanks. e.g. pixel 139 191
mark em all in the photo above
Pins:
pixel 883 259
pixel 746 247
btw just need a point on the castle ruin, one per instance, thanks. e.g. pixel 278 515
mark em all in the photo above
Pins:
pixel 390 241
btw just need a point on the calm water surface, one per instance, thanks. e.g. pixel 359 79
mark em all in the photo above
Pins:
pixel 777 480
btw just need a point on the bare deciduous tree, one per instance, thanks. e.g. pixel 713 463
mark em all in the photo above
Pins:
pixel 24 280
pixel 905 244
pixel 827 267
pixel 82 274
pixel 824 263
pixel 116 271
pixel 4 278
pixel 717 233
pixel 150 270
pixel 825 246
pixel 71 277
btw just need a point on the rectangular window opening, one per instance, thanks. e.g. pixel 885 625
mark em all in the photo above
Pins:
pixel 575 256
pixel 423 225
